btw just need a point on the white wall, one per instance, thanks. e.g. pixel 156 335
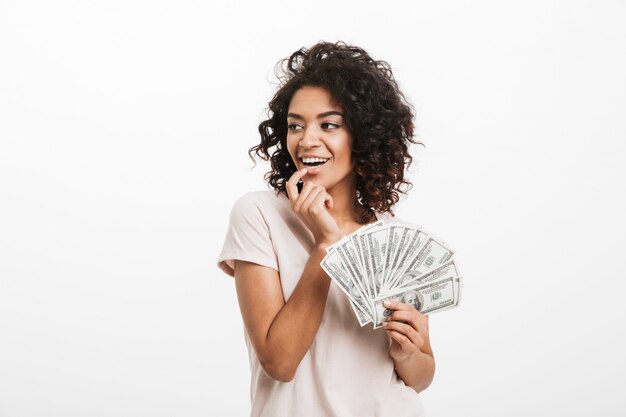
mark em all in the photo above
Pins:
pixel 124 127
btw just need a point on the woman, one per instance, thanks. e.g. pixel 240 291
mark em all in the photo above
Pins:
pixel 337 138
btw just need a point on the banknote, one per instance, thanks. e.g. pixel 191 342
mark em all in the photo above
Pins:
pixel 410 278
pixel 407 250
pixel 427 298
pixel 376 242
pixel 430 256
pixel 393 237
pixel 393 260
pixel 458 288
pixel 333 266
pixel 355 278
pixel 360 244
pixel 402 236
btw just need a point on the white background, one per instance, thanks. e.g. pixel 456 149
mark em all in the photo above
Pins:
pixel 124 127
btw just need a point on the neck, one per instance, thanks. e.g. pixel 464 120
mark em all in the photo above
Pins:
pixel 345 208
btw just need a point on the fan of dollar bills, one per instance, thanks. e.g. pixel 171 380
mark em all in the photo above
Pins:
pixel 397 261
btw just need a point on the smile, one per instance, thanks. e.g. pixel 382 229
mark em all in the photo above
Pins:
pixel 313 164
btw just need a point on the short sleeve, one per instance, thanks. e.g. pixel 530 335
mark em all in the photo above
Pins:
pixel 248 236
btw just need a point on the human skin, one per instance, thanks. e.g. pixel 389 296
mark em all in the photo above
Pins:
pixel 410 345
pixel 282 332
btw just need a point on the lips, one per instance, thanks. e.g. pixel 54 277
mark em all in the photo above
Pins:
pixel 313 160
pixel 313 166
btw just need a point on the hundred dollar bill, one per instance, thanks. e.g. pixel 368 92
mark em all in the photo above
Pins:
pixel 405 235
pixel 396 260
pixel 458 288
pixel 431 255
pixel 358 240
pixel 362 317
pixel 448 269
pixel 332 265
pixel 350 258
pixel 411 242
pixel 426 299
pixel 376 242
pixel 395 233
pixel 417 242
pixel 347 253
pixel 362 229
pixel 365 265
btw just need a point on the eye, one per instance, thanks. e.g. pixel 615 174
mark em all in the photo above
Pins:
pixel 293 127
pixel 330 126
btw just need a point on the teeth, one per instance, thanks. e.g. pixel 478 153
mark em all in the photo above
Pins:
pixel 312 160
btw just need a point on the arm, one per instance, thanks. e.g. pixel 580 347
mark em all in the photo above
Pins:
pixel 410 345
pixel 282 332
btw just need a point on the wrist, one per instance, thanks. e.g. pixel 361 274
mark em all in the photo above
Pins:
pixel 407 358
pixel 327 241
pixel 321 247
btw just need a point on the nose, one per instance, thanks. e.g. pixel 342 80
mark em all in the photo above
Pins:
pixel 311 138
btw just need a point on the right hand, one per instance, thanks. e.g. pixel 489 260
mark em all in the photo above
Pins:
pixel 312 205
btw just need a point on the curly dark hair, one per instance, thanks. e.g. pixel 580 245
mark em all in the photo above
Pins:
pixel 376 113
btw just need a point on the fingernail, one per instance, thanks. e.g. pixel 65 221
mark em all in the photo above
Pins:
pixel 384 324
pixel 387 303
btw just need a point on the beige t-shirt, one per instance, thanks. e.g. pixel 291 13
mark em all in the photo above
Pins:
pixel 347 371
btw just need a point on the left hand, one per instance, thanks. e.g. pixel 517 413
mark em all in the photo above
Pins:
pixel 408 329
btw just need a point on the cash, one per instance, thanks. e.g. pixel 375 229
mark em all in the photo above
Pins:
pixel 393 261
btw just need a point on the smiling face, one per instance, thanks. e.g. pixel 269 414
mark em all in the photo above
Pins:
pixel 317 138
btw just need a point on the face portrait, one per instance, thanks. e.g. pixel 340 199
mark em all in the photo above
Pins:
pixel 354 291
pixel 407 278
pixel 414 299
pixel 378 277
pixel 318 139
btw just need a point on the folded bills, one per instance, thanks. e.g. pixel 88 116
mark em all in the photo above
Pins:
pixel 393 261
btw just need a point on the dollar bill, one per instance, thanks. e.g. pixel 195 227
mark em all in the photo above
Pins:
pixel 426 299
pixel 334 267
pixel 393 239
pixel 376 242
pixel 447 269
pixel 415 240
pixel 458 288
pixel 405 234
pixel 396 261
pixel 430 256
pixel 358 240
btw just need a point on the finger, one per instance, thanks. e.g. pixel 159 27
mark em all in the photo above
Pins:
pixel 304 193
pixel 308 203
pixel 410 317
pixel 292 185
pixel 396 305
pixel 406 330
pixel 317 205
pixel 404 341
pixel 329 202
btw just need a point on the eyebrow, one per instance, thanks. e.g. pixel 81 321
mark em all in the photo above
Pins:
pixel 319 116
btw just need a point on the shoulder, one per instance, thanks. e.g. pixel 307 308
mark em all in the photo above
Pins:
pixel 250 232
pixel 260 201
pixel 267 206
